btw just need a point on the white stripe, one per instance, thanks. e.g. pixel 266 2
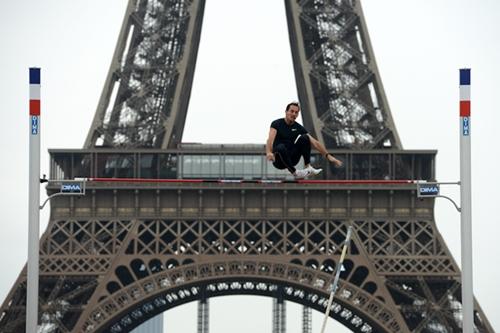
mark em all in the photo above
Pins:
pixel 34 91
pixel 465 93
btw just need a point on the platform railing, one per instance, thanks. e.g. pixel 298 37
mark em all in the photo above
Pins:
pixel 228 162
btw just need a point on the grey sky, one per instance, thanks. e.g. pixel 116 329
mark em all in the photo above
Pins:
pixel 243 79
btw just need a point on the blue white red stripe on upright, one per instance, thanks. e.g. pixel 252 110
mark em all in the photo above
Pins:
pixel 465 101
pixel 35 100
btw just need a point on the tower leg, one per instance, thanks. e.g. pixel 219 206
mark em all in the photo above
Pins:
pixel 203 315
pixel 279 315
pixel 306 320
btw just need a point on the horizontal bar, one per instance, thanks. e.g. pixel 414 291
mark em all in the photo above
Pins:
pixel 436 183
pixel 254 181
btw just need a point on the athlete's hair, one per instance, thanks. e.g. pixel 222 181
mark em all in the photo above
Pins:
pixel 292 103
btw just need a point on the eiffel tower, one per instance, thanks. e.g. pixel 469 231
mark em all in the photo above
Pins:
pixel 128 251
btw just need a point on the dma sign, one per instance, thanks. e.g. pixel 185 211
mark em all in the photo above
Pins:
pixel 71 188
pixel 427 190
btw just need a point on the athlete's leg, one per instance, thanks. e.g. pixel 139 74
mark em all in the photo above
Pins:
pixel 282 158
pixel 302 149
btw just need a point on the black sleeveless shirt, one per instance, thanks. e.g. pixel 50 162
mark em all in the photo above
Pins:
pixel 286 134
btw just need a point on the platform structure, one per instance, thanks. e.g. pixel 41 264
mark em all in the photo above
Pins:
pixel 127 251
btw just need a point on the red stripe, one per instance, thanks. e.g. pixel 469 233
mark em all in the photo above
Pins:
pixel 34 107
pixel 464 108
pixel 328 181
pixel 145 180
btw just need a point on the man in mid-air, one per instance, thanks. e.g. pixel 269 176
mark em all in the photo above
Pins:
pixel 288 141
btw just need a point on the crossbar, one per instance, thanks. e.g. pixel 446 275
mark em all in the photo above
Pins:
pixel 254 181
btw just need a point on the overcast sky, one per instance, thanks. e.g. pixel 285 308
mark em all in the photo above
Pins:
pixel 243 78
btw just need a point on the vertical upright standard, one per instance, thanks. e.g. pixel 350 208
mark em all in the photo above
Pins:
pixel 465 197
pixel 34 201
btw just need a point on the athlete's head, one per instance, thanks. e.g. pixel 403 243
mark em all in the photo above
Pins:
pixel 292 112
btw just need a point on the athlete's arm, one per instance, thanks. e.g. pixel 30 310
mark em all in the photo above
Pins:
pixel 316 144
pixel 269 144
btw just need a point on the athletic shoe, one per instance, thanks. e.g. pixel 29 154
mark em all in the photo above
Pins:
pixel 301 173
pixel 313 171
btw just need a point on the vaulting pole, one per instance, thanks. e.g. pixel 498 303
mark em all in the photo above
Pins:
pixel 336 279
pixel 465 197
pixel 34 201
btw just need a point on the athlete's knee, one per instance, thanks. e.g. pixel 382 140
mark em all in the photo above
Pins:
pixel 280 148
pixel 303 140
pixel 278 164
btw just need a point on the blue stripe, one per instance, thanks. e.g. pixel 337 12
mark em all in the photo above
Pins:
pixel 465 77
pixel 34 75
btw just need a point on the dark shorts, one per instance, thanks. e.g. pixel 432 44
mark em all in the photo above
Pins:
pixel 288 154
pixel 293 152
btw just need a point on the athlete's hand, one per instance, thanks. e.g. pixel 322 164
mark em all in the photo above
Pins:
pixel 338 163
pixel 270 157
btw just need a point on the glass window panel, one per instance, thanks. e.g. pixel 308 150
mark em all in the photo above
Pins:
pixel 106 165
pixel 125 164
pixel 256 163
pixel 82 165
pixel 148 165
pixel 61 166
pixel 403 166
pixel 187 166
pixel 168 166
pixel 335 172
pixel 424 167
pixel 238 165
pixel 204 166
pixel 196 166
pixel 229 165
pixel 360 166
pixel 379 165
pixel 215 166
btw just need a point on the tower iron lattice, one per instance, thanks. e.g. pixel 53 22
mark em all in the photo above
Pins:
pixel 128 251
